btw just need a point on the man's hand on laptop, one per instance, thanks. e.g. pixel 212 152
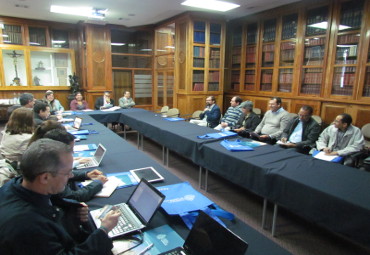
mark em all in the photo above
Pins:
pixel 110 220
pixel 82 160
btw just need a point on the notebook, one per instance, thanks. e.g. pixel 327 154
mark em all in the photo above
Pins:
pixel 148 173
pixel 208 237
pixel 136 213
pixel 95 160
pixel 76 124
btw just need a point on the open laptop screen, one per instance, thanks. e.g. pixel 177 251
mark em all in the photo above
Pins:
pixel 145 201
pixel 99 153
pixel 208 237
pixel 77 123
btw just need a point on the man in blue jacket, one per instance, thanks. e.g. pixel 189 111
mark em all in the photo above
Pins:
pixel 211 114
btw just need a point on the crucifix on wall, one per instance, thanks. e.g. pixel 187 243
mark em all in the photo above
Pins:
pixel 15 56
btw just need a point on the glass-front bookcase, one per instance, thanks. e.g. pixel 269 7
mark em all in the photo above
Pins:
pixel 44 67
pixel 345 66
pixel 315 41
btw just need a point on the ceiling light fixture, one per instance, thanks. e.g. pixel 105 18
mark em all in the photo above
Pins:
pixel 211 5
pixel 80 11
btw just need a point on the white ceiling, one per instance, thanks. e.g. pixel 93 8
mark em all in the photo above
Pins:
pixel 129 13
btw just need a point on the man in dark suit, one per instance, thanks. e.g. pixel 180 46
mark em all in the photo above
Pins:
pixel 104 102
pixel 248 121
pixel 302 132
pixel 211 114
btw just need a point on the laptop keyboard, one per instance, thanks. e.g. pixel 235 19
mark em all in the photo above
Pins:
pixel 124 223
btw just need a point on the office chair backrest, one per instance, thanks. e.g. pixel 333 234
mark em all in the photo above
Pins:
pixel 164 109
pixel 318 119
pixel 173 112
pixel 365 130
pixel 196 114
pixel 258 112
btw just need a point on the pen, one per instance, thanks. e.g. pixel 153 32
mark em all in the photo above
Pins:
pixel 146 249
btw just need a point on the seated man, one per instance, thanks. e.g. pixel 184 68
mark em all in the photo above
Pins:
pixel 232 115
pixel 41 111
pixel 248 121
pixel 126 101
pixel 104 102
pixel 35 220
pixel 71 191
pixel 210 115
pixel 341 138
pixel 273 123
pixel 302 132
pixel 25 99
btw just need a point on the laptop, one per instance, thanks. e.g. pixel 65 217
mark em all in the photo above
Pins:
pixel 136 213
pixel 76 124
pixel 148 173
pixel 208 237
pixel 95 160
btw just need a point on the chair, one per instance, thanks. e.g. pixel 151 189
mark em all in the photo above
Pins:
pixel 318 119
pixel 173 112
pixel 292 115
pixel 258 112
pixel 164 109
pixel 366 133
pixel 196 114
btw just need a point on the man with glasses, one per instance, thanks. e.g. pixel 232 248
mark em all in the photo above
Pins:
pixel 104 102
pixel 34 220
pixel 302 132
pixel 211 114
pixel 341 139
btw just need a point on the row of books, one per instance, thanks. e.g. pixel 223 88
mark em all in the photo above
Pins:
pixel 287 46
pixel 237 50
pixel 269 31
pixel 215 39
pixel 200 26
pixel 236 59
pixel 40 39
pixel 199 51
pixel 249 86
pixel 311 31
pixel 213 86
pixel 215 53
pixel 235 76
pixel 289 29
pixel 268 48
pixel 215 28
pixel 198 62
pixel 198 76
pixel 314 52
pixel 312 89
pixel 312 78
pixel 266 87
pixel 315 41
pixel 285 87
pixel 266 78
pixel 317 15
pixel 250 78
pixel 343 79
pixel 251 36
pixel 268 56
pixel 348 39
pixel 366 91
pixel 214 76
pixel 286 78
pixel 346 62
pixel 237 39
pixel 344 91
pixel 214 63
pixel 199 37
pixel 351 14
pixel 12 37
pixel 287 55
pixel 312 62
pixel 347 69
pixel 251 57
pixel 344 52
pixel 198 86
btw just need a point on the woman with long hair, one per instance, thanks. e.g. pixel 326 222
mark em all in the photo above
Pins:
pixel 16 135
pixel 55 106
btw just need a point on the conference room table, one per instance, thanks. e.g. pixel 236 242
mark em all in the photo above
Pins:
pixel 331 195
pixel 122 156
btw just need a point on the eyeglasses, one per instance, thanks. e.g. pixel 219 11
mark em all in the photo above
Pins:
pixel 69 173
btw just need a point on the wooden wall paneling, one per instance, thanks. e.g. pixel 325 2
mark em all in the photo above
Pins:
pixel 261 102
pixel 99 66
pixel 361 116
pixel 330 111
pixel 297 104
